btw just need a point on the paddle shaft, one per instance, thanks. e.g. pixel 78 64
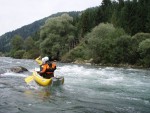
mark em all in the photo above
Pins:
pixel 29 79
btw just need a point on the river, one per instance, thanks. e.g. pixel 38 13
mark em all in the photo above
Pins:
pixel 87 89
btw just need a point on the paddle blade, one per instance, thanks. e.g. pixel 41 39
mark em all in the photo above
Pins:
pixel 29 79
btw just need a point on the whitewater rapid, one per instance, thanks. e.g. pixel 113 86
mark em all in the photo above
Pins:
pixel 87 89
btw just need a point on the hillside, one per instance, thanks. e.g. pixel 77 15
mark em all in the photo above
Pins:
pixel 27 30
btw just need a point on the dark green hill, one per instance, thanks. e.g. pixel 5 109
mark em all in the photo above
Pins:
pixel 27 30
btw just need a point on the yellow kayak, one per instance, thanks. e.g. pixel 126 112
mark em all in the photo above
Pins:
pixel 40 80
pixel 45 82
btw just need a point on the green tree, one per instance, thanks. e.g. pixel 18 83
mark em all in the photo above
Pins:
pixel 19 54
pixel 31 54
pixel 106 10
pixel 57 35
pixel 136 40
pixel 101 42
pixel 79 52
pixel 122 50
pixel 28 43
pixel 148 19
pixel 99 15
pixel 88 20
pixel 144 50
pixel 17 43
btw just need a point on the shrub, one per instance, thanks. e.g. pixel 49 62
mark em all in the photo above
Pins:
pixel 101 42
pixel 19 54
pixel 144 50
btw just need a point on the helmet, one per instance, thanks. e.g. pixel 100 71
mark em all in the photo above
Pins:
pixel 45 59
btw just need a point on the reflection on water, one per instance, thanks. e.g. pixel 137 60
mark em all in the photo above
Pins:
pixel 42 94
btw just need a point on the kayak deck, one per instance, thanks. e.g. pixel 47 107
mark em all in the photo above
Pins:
pixel 46 82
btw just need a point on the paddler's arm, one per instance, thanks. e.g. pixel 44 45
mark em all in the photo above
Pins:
pixel 43 69
pixel 38 60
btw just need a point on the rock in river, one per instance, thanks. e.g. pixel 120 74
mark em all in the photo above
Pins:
pixel 18 69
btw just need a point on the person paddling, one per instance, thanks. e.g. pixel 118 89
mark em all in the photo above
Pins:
pixel 47 68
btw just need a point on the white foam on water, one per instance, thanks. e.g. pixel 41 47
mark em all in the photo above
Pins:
pixel 113 80
pixel 107 77
pixel 14 74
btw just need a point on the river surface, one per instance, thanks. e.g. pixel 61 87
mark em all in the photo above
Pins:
pixel 87 89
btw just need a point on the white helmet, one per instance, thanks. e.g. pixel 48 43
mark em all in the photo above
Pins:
pixel 45 59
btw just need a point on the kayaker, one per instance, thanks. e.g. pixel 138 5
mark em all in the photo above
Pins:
pixel 47 68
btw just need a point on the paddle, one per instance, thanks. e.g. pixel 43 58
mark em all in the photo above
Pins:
pixel 29 79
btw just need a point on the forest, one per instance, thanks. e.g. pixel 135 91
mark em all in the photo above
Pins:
pixel 115 32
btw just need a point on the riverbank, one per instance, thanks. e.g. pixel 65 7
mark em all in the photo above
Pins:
pixel 90 62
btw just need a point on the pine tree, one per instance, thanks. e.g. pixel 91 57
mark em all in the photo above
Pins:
pixel 142 13
pixel 148 19
pixel 106 10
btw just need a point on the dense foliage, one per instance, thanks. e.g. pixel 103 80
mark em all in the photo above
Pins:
pixel 26 31
pixel 116 32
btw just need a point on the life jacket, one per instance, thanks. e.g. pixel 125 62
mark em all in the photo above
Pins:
pixel 50 68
